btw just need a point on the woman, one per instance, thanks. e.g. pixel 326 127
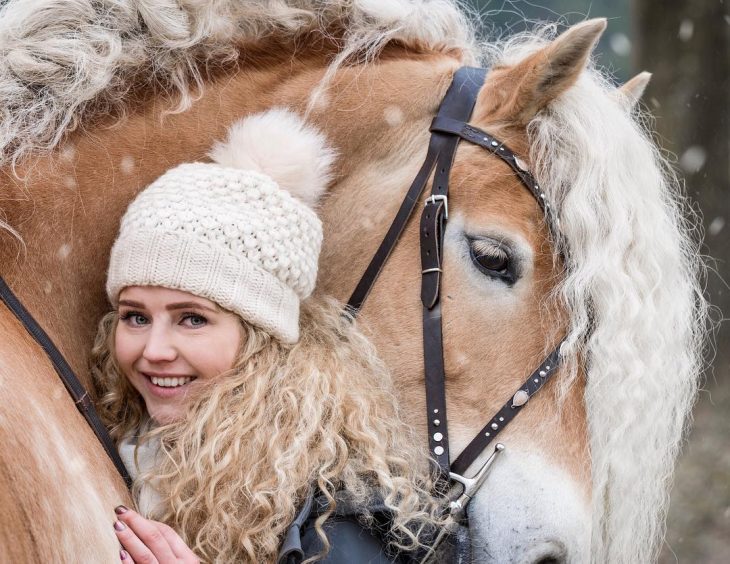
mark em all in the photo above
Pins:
pixel 231 419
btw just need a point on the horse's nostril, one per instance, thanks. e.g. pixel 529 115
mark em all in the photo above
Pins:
pixel 550 552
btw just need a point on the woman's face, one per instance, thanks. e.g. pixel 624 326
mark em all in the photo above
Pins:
pixel 168 342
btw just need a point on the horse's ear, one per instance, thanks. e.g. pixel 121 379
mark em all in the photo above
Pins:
pixel 630 93
pixel 519 92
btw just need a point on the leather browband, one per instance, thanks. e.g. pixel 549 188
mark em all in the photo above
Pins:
pixel 77 391
pixel 483 139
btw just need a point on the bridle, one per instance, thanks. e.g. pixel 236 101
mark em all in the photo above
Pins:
pixel 447 129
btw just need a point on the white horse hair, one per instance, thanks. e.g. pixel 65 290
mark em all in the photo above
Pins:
pixel 633 282
pixel 634 289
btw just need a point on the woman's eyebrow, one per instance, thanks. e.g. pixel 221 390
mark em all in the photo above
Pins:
pixel 130 303
pixel 171 307
pixel 189 305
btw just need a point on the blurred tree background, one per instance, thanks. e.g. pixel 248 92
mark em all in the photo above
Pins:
pixel 686 45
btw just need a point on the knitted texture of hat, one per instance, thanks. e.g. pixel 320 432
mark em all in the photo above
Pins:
pixel 229 235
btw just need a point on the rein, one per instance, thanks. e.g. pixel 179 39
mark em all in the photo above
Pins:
pixel 74 387
pixel 448 128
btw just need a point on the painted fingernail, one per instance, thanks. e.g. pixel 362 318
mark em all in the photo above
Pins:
pixel 119 526
pixel 119 509
pixel 123 555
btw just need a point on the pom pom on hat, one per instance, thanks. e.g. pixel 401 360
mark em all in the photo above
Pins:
pixel 281 145
pixel 241 231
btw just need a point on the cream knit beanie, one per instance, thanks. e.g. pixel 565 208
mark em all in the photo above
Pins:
pixel 228 231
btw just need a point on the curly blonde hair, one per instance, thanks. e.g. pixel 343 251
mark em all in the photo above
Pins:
pixel 284 419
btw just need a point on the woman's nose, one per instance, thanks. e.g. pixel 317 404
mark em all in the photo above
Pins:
pixel 160 346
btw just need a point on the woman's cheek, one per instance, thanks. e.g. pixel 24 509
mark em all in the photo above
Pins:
pixel 219 356
pixel 124 347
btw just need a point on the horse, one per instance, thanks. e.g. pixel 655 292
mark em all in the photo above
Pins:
pixel 98 99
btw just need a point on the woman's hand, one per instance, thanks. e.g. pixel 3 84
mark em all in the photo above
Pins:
pixel 149 542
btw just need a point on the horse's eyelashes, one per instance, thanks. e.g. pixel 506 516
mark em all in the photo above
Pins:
pixel 493 262
pixel 491 259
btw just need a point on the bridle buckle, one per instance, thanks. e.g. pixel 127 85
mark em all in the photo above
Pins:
pixel 436 197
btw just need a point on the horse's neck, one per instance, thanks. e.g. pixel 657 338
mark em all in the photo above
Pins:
pixel 48 271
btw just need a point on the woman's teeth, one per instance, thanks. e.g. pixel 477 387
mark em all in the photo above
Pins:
pixel 170 382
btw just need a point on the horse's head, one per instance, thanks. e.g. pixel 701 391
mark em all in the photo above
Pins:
pixel 502 316
pixel 514 284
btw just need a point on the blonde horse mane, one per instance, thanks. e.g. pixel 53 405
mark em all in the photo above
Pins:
pixel 64 63
pixel 633 281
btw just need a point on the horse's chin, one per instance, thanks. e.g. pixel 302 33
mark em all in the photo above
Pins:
pixel 529 511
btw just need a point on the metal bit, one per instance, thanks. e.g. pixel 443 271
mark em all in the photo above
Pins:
pixel 457 507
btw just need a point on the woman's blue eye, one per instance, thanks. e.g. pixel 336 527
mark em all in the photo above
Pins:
pixel 195 320
pixel 134 318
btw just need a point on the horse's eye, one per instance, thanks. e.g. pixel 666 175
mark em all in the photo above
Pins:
pixel 491 258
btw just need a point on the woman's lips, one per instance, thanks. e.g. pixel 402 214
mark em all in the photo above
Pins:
pixel 165 385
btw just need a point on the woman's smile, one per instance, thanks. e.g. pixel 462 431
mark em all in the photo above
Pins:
pixel 167 385
pixel 168 381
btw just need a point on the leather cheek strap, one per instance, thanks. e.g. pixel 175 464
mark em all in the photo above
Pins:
pixel 458 105
pixel 412 197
